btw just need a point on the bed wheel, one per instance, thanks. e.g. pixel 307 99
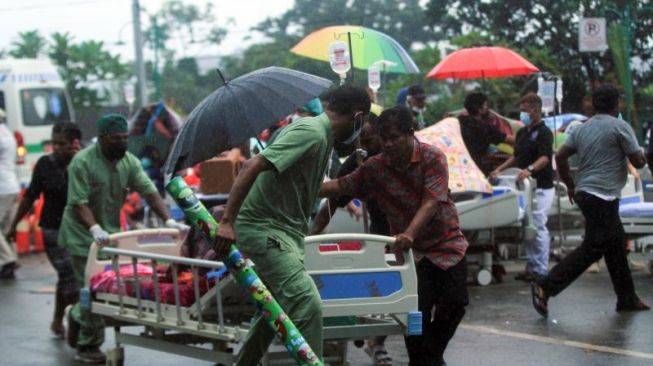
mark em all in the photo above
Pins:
pixel 483 277
pixel 115 357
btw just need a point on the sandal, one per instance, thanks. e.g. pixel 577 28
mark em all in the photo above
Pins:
pixel 540 299
pixel 379 355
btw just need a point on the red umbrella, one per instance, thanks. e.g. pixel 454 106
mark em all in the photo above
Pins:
pixel 482 62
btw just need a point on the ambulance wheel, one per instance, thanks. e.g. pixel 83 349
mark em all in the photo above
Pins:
pixel 483 277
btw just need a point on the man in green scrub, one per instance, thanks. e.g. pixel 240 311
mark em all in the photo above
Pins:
pixel 269 208
pixel 99 179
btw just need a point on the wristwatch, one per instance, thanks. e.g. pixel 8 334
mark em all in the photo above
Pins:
pixel 530 168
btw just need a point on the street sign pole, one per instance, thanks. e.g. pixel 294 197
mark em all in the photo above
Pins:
pixel 138 54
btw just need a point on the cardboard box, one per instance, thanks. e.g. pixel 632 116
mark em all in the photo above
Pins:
pixel 218 174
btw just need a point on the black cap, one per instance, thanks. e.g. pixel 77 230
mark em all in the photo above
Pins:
pixel 416 91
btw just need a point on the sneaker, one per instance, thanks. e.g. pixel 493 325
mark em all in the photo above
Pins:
pixel 90 355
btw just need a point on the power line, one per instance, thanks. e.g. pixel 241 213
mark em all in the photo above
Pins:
pixel 52 5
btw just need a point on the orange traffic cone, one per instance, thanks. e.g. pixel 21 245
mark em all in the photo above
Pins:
pixel 22 236
pixel 36 227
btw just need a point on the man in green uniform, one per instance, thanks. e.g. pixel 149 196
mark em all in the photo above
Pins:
pixel 99 179
pixel 277 190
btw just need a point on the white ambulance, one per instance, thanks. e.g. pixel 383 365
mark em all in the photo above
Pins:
pixel 34 98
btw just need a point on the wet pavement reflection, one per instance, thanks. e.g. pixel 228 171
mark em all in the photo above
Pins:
pixel 500 327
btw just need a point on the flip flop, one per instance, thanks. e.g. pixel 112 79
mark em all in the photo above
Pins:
pixel 540 299
pixel 379 355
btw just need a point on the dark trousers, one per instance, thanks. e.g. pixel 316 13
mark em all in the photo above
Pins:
pixel 60 260
pixel 447 292
pixel 604 237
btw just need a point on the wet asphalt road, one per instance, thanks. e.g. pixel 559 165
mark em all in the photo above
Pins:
pixel 500 327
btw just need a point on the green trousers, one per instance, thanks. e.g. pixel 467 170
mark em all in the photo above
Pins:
pixel 91 326
pixel 281 268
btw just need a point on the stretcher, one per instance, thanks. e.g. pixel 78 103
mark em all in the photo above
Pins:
pixel 566 219
pixel 636 217
pixel 503 216
pixel 636 214
pixel 364 291
pixel 506 213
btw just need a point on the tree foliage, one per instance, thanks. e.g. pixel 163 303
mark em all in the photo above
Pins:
pixel 402 20
pixel 405 21
pixel 185 23
pixel 83 66
pixel 30 44
pixel 546 32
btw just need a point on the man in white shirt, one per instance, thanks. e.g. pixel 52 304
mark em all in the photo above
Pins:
pixel 8 193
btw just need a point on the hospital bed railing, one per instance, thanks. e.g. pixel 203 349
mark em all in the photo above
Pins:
pixel 365 292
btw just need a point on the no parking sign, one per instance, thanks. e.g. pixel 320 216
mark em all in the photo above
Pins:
pixel 592 35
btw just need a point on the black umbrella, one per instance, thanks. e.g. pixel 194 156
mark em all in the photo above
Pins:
pixel 241 109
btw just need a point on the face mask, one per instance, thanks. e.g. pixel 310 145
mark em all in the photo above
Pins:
pixel 116 150
pixel 358 127
pixel 525 117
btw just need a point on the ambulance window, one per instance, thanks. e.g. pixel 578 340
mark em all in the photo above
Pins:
pixel 42 107
pixel 2 101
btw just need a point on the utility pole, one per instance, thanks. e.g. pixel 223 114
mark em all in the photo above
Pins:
pixel 138 54
pixel 156 46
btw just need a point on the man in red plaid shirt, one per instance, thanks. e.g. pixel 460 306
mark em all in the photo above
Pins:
pixel 410 182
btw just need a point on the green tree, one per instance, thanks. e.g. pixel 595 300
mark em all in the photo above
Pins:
pixel 29 44
pixel 185 23
pixel 59 52
pixel 546 31
pixel 403 20
pixel 85 67
pixel 183 86
pixel 175 27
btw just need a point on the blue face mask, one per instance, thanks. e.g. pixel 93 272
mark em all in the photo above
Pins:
pixel 525 117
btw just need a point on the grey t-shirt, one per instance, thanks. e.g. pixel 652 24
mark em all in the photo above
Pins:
pixel 602 144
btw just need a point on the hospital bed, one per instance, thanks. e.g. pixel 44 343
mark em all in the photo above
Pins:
pixel 636 216
pixel 566 219
pixel 365 292
pixel 504 214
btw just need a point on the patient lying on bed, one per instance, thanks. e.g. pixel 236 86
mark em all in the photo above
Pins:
pixel 194 246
